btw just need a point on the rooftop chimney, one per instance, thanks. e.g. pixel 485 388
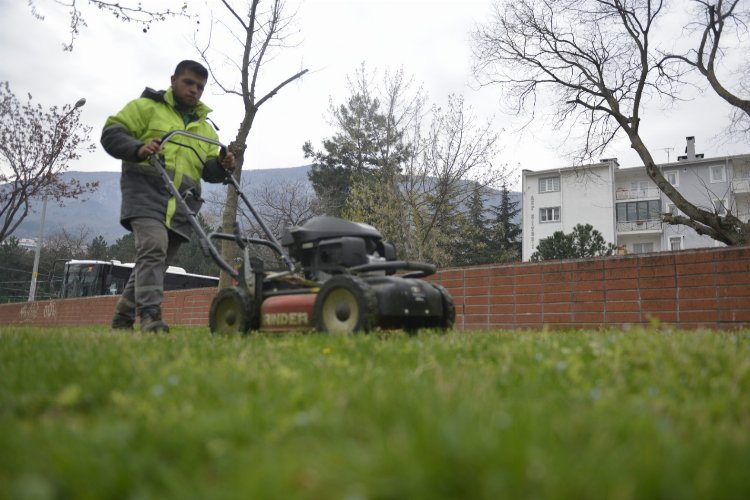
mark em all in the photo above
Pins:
pixel 611 160
pixel 690 150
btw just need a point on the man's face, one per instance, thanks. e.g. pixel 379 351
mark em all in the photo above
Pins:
pixel 187 88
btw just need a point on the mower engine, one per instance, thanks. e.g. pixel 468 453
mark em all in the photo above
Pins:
pixel 326 246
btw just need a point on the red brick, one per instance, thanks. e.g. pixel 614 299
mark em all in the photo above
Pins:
pixel 698 304
pixel 703 317
pixel 665 282
pixel 701 292
pixel 737 303
pixel 742 317
pixel 733 291
pixel 482 282
pixel 558 318
pixel 622 284
pixel 502 269
pixel 664 259
pixel 654 272
pixel 733 279
pixel 623 317
pixel 499 291
pixel 589 296
pixel 556 297
pixel 535 308
pixel 617 274
pixel 475 310
pixel 527 298
pixel 663 316
pixel 502 280
pixel 588 306
pixel 695 280
pixel 692 257
pixel 535 290
pixel 477 292
pixel 621 262
pixel 502 308
pixel 589 317
pixel 529 279
pixel 698 268
pixel 624 306
pixel 659 305
pixel 658 293
pixel 474 272
pixel 477 300
pixel 622 295
pixel 502 320
pixel 588 285
pixel 732 266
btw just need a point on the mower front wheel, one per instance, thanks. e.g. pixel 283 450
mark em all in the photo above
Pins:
pixel 231 312
pixel 345 305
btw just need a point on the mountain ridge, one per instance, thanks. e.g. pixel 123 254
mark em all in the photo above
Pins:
pixel 99 212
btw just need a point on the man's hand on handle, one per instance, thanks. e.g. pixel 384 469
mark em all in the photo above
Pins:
pixel 149 149
pixel 227 161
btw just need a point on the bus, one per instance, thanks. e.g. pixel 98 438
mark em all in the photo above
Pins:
pixel 88 278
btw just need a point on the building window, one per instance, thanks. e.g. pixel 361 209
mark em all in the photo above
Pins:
pixel 643 247
pixel 673 177
pixel 549 184
pixel 675 242
pixel 550 214
pixel 638 189
pixel 639 210
pixel 716 173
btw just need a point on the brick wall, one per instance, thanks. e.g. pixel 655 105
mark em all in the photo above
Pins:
pixel 706 287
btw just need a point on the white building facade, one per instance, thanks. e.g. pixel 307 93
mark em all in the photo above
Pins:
pixel 625 205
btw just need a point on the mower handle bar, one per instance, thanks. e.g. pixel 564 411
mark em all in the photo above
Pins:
pixel 205 240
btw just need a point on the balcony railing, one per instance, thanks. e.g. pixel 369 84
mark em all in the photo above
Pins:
pixel 636 194
pixel 741 185
pixel 639 225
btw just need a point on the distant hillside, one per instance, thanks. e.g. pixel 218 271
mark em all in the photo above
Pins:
pixel 99 212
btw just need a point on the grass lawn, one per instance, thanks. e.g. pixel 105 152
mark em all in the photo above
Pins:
pixel 643 413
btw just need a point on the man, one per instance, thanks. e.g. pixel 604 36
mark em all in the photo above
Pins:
pixel 147 209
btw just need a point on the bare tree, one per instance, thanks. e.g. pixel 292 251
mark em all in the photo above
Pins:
pixel 453 160
pixel 719 21
pixel 281 204
pixel 600 60
pixel 36 146
pixel 257 34
pixel 129 12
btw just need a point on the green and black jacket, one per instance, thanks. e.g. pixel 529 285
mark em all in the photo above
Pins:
pixel 143 192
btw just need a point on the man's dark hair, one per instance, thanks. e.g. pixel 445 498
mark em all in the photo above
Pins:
pixel 195 67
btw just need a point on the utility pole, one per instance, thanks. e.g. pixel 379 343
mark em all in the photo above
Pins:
pixel 37 251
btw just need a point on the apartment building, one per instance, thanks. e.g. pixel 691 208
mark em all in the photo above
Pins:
pixel 625 205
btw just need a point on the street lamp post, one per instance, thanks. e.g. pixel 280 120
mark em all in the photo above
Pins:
pixel 37 250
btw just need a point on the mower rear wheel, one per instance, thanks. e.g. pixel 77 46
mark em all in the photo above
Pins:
pixel 345 305
pixel 231 312
pixel 449 308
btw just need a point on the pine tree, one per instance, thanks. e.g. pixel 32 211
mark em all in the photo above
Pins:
pixel 505 235
pixel 98 249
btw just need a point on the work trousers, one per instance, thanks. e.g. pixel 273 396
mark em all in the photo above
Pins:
pixel 155 248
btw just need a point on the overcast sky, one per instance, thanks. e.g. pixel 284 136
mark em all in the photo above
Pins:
pixel 112 62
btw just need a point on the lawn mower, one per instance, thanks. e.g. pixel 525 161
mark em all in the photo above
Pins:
pixel 335 276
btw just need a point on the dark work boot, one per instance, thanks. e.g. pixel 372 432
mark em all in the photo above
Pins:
pixel 151 321
pixel 122 322
pixel 124 317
